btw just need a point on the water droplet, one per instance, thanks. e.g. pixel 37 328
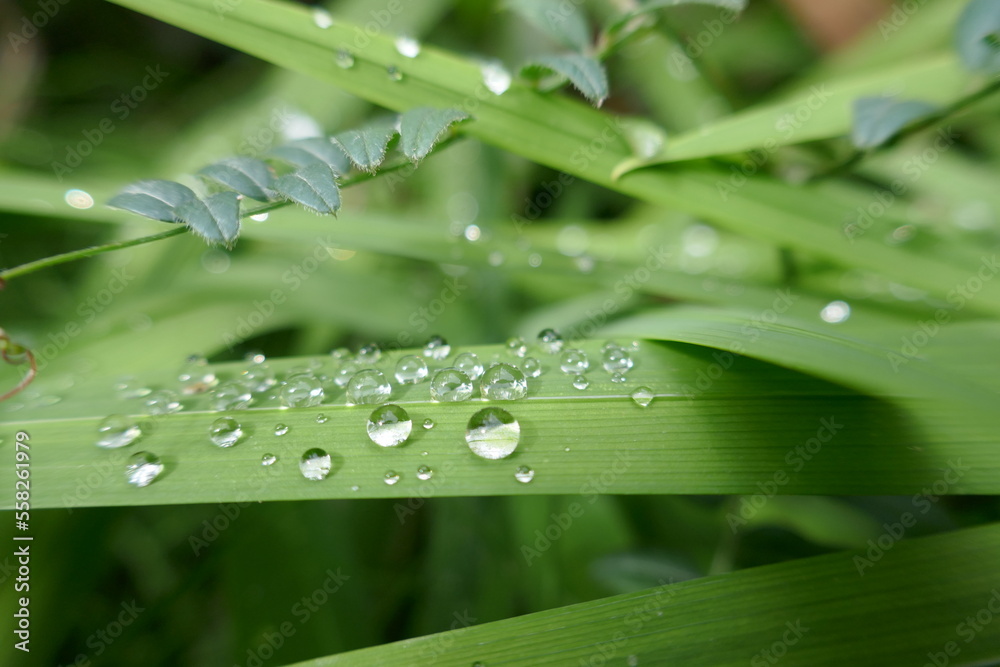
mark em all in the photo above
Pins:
pixel 496 79
pixel 355 488
pixel 79 199
pixel 302 391
pixel 389 426
pixel 369 354
pixel 142 468
pixel 117 431
pixel 424 473
pixel 368 387
pixel 437 348
pixel 451 385
pixel 258 377
pixel 618 378
pixel 322 18
pixel 574 361
pixel 340 354
pixel 390 477
pixel 394 73
pixel 616 360
pixel 524 474
pixel 162 402
pixel 315 464
pixel 492 433
pixel 468 363
pixel 632 661
pixel 281 429
pixel 566 449
pixel 196 375
pixel 503 382
pixel 231 396
pixel 581 382
pixel 550 341
pixel 531 367
pixel 268 460
pixel 428 424
pixel 344 59
pixel 643 396
pixel 225 432
pixel 344 374
pixel 835 312
pixel 517 346
pixel 254 358
pixel 321 418
pixel 131 387
pixel 260 217
pixel 407 47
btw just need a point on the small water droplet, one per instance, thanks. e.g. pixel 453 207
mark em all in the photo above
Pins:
pixel 524 474
pixel 315 464
pixel 163 402
pixel 581 382
pixel 369 354
pixel 394 73
pixel 835 312
pixel 517 346
pixel 531 367
pixel 390 477
pixel 322 18
pixel 344 59
pixel 451 385
pixel 437 348
pixel 618 378
pixel 281 429
pixel 492 433
pixel 340 354
pixel 468 363
pixel 258 377
pixel 79 199
pixel 117 431
pixel 643 396
pixel 424 473
pixel 225 432
pixel 302 391
pixel 196 376
pixel 566 449
pixel 472 233
pixel 496 79
pixel 616 360
pixel 343 375
pixel 550 341
pixel 142 468
pixel 574 361
pixel 231 395
pixel 268 460
pixel 368 387
pixel 407 47
pixel 355 488
pixel 260 217
pixel 389 426
pixel 503 382
pixel 321 418
pixel 131 387
pixel 428 424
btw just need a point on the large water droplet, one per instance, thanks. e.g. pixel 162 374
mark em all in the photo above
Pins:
pixel 492 433
pixel 424 473
pixel 437 348
pixel 517 346
pixel 496 79
pixel 835 312
pixel 225 432
pixel 322 18
pixel 281 429
pixel 407 47
pixel 231 396
pixel 395 74
pixel 315 464
pixel 389 426
pixel 581 382
pixel 574 361
pixel 142 468
pixel 344 59
pixel 524 474
pixel 162 402
pixel 503 382
pixel 451 385
pixel 302 391
pixel 268 460
pixel 117 431
pixel 196 375
pixel 616 360
pixel 643 396
pixel 550 341
pixel 468 363
pixel 368 387
pixel 369 354
pixel 390 477
pixel 531 367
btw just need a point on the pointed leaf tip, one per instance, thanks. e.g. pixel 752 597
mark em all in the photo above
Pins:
pixel 215 218
pixel 248 176
pixel 423 127
pixel 366 147
pixel 585 73
pixel 314 186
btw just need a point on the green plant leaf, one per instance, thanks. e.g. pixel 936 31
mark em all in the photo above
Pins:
pixel 585 73
pixel 314 186
pixel 421 128
pixel 366 147
pixel 564 21
pixel 820 611
pixel 215 218
pixel 878 119
pixel 247 176
pixel 977 36
pixel 314 150
pixel 153 198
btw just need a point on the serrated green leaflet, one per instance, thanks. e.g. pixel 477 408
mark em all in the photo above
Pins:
pixel 421 128
pixel 246 176
pixel 215 218
pixel 314 186
pixel 154 199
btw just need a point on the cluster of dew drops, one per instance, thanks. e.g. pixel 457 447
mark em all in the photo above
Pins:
pixel 491 433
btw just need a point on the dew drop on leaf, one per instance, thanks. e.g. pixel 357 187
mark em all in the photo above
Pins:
pixel 437 348
pixel 531 367
pixel 281 429
pixel 411 369
pixel 394 73
pixel 574 361
pixel 389 426
pixel 368 387
pixel 468 363
pixel 315 464
pixel 268 459
pixel 643 396
pixel 428 424
pixel 322 18
pixel 616 360
pixel 524 474
pixel 581 382
pixel 517 346
pixel 492 433
pixel 550 341
pixel 450 385
pixel 407 47
pixel 231 395
pixel 369 354
pixel 142 468
pixel 344 59
pixel 390 477
pixel 117 431
pixel 163 402
pixel 503 382
pixel 424 473
pixel 302 391
pixel 835 312
pixel 225 432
